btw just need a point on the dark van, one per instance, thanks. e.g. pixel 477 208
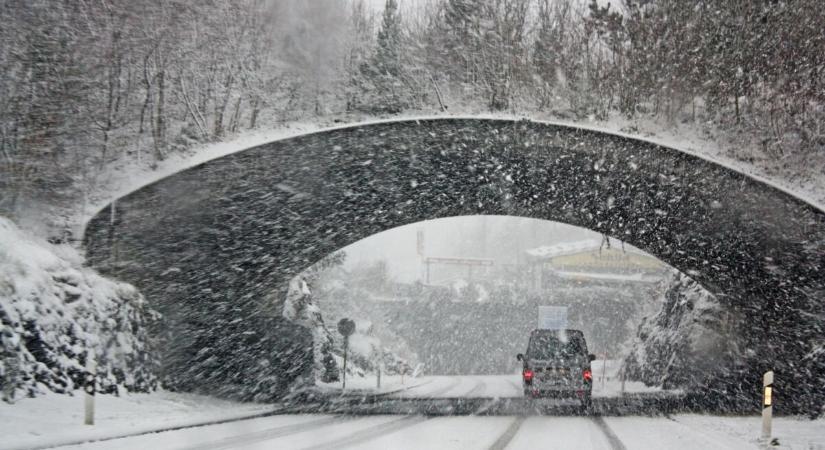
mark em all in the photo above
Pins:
pixel 557 365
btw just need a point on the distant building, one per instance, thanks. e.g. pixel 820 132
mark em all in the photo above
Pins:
pixel 591 262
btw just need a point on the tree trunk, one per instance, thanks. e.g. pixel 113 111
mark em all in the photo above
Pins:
pixel 253 119
pixel 160 129
pixel 220 109
pixel 236 116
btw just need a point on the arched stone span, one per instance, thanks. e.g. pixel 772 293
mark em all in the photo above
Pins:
pixel 207 244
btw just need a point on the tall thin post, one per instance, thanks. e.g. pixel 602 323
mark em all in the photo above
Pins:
pixel 379 377
pixel 604 370
pixel 346 327
pixel 767 405
pixel 428 272
pixel 89 388
pixel 346 344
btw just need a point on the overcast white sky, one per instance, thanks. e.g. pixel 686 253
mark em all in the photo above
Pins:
pixel 502 238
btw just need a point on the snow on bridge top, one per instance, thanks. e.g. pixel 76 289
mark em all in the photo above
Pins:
pixel 125 182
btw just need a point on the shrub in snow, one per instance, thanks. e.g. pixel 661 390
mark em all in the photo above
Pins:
pixel 686 343
pixel 814 365
pixel 54 312
pixel 300 309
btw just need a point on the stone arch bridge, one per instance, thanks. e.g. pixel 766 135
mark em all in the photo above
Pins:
pixel 213 247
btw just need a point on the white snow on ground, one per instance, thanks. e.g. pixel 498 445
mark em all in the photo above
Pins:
pixel 559 433
pixel 691 431
pixel 368 384
pixel 443 433
pixel 790 432
pixel 473 386
pixel 254 434
pixel 640 432
pixel 54 419
pixel 608 383
pixel 688 432
pixel 57 419
pixel 122 180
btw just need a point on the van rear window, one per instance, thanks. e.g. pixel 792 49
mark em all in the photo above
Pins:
pixel 555 345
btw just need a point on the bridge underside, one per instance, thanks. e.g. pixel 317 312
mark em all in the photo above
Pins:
pixel 213 247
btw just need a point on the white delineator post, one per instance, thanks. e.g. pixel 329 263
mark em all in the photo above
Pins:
pixel 344 381
pixel 604 369
pixel 622 376
pixel 767 405
pixel 379 377
pixel 89 388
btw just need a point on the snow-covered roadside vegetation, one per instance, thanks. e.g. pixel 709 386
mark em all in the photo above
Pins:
pixel 687 341
pixel 54 314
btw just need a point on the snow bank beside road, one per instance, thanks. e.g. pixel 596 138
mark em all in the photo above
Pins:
pixel 58 419
pixel 53 312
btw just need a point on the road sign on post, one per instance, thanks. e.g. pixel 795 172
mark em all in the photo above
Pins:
pixel 552 317
pixel 346 327
pixel 767 405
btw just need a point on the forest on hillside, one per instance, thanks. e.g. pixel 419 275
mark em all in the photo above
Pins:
pixel 85 83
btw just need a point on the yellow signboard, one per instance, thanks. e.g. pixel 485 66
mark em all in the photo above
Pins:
pixel 768 395
pixel 605 259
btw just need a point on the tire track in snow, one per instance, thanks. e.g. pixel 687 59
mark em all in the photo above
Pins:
pixel 373 432
pixel 477 390
pixel 518 387
pixel 453 383
pixel 271 433
pixel 508 435
pixel 612 439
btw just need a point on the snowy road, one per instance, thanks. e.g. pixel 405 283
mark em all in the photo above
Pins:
pixel 472 386
pixel 489 386
pixel 464 412
pixel 473 432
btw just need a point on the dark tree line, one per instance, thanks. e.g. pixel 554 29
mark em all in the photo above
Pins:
pixel 88 83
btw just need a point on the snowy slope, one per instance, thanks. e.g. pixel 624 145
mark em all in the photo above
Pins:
pixel 685 342
pixel 53 312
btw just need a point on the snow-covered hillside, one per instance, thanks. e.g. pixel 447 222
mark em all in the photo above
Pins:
pixel 685 342
pixel 54 312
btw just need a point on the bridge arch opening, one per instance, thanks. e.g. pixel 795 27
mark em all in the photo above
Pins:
pixel 455 299
pixel 205 244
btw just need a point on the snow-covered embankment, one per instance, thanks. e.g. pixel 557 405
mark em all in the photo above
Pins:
pixel 54 312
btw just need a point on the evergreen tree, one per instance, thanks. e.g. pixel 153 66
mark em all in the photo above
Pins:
pixel 388 50
pixel 386 71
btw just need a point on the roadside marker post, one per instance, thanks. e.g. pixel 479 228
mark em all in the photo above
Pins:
pixel 604 370
pixel 767 405
pixel 346 327
pixel 89 388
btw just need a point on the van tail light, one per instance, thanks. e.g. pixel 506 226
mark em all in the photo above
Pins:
pixel 588 375
pixel 528 375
